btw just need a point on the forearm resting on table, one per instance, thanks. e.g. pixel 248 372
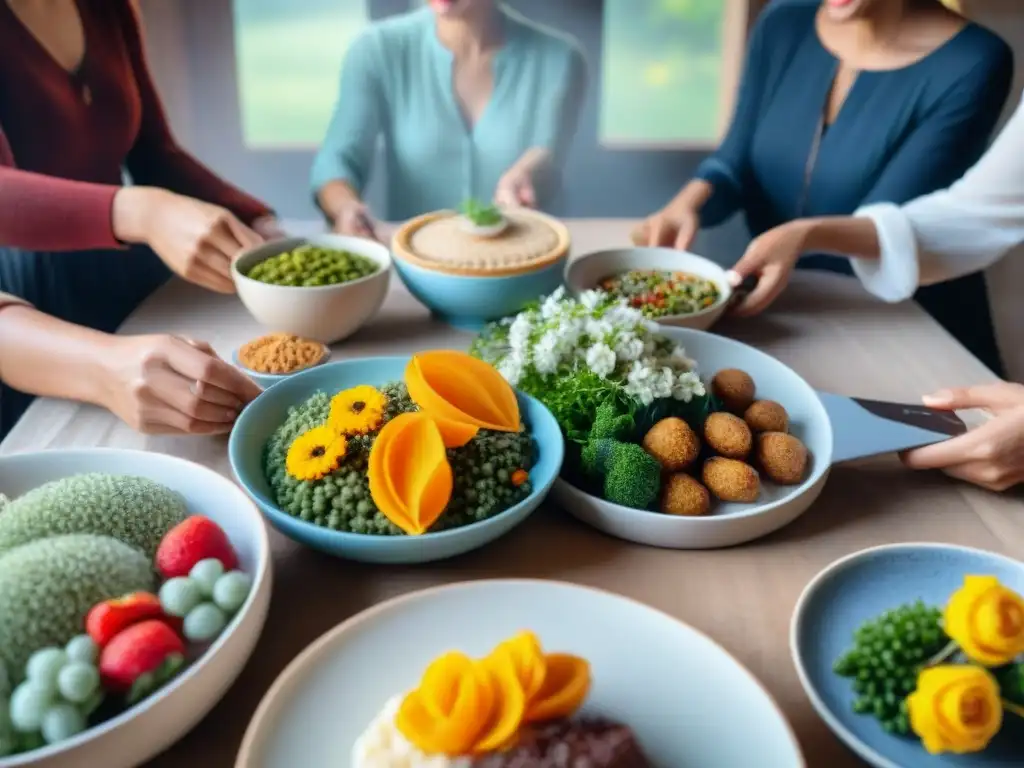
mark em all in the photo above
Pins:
pixel 42 355
pixel 333 196
pixel 852 236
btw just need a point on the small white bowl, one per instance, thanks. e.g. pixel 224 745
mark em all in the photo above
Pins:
pixel 587 271
pixel 326 313
pixel 147 729
pixel 728 524
pixel 266 380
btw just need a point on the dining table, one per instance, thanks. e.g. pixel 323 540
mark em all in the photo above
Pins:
pixel 825 326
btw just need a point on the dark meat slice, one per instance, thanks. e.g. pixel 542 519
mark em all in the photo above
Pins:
pixel 583 743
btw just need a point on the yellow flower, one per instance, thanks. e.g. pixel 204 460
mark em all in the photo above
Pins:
pixel 986 620
pixel 315 454
pixel 956 708
pixel 357 411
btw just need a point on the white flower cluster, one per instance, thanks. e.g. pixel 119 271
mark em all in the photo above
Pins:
pixel 608 337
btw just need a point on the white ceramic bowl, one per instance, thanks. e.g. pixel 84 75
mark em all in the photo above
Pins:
pixel 728 524
pixel 689 702
pixel 150 727
pixel 326 313
pixel 587 271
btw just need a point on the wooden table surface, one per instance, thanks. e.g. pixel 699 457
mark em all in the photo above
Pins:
pixel 825 327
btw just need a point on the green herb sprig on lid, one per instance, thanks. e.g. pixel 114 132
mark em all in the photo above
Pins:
pixel 480 214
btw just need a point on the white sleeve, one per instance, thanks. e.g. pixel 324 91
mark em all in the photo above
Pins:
pixel 952 232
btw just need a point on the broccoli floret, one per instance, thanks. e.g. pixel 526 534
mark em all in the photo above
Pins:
pixel 632 477
pixel 610 422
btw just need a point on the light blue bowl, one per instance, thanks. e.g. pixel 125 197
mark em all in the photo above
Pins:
pixel 268 411
pixel 862 586
pixel 468 302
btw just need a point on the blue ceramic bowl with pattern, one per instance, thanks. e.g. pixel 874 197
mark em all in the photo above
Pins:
pixel 468 280
pixel 266 413
pixel 861 587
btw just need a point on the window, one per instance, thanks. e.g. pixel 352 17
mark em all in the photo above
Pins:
pixel 288 56
pixel 669 71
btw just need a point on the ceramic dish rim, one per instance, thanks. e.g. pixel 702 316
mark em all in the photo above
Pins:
pixel 377 539
pixel 297 666
pixel 264 571
pixel 401 249
pixel 754 509
pixel 381 255
pixel 797 621
pixel 725 291
pixel 276 377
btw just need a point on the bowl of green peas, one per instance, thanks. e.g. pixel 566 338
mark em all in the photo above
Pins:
pixel 323 287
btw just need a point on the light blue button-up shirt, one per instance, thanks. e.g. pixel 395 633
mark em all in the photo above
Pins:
pixel 397 84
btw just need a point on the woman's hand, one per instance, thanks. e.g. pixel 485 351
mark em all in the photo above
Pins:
pixel 269 228
pixel 771 259
pixel 197 240
pixel 515 189
pixel 992 455
pixel 353 218
pixel 170 385
pixel 674 226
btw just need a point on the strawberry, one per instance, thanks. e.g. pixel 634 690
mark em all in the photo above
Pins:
pixel 108 618
pixel 141 658
pixel 196 538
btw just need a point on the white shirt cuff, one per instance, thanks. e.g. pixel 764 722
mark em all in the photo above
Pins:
pixel 894 276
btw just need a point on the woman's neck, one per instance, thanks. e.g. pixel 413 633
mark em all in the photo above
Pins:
pixel 884 21
pixel 478 30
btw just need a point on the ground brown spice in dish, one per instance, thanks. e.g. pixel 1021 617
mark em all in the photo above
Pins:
pixel 280 353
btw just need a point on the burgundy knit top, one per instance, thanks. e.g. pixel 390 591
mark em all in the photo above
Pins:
pixel 65 137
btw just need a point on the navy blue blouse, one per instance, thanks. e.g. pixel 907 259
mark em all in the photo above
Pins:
pixel 900 134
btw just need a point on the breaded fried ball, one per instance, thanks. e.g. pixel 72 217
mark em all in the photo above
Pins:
pixel 767 416
pixel 672 443
pixel 782 457
pixel 734 388
pixel 731 480
pixel 728 435
pixel 682 495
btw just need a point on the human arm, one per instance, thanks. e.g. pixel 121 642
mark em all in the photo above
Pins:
pixel 343 164
pixel 153 383
pixel 882 237
pixel 156 159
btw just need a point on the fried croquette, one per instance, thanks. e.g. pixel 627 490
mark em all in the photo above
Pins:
pixel 673 443
pixel 731 480
pixel 782 457
pixel 684 496
pixel 766 416
pixel 734 388
pixel 728 435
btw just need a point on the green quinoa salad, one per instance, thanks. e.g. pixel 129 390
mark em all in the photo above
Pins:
pixel 313 265
pixel 659 293
pixel 490 472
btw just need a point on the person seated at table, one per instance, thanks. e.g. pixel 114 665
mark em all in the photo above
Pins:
pixel 79 250
pixel 472 100
pixel 849 102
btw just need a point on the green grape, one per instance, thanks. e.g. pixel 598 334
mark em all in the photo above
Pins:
pixel 204 622
pixel 44 666
pixel 205 573
pixel 61 722
pixel 231 590
pixel 82 649
pixel 78 681
pixel 29 703
pixel 180 595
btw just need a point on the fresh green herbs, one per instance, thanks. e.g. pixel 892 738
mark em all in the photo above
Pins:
pixel 481 214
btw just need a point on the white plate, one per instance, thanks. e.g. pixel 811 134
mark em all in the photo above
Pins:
pixel 146 730
pixel 690 703
pixel 728 524
pixel 586 271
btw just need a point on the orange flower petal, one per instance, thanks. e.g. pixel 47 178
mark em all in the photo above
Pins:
pixel 526 656
pixel 455 387
pixel 565 688
pixel 509 709
pixel 409 475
